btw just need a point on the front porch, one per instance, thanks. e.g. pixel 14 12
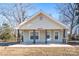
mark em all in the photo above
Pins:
pixel 43 36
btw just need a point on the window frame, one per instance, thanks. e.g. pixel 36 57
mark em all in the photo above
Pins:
pixel 35 31
pixel 41 17
pixel 58 35
pixel 49 34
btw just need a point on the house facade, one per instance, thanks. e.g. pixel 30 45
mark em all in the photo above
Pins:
pixel 42 28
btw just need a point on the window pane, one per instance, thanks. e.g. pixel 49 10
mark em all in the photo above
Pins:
pixel 41 17
pixel 36 37
pixel 48 36
pixel 56 35
pixel 32 36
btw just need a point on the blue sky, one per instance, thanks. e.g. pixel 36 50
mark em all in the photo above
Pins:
pixel 49 8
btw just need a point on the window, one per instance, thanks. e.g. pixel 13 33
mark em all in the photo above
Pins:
pixel 56 35
pixel 36 35
pixel 32 35
pixel 48 35
pixel 41 17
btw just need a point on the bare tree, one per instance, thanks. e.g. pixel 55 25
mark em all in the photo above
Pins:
pixel 17 14
pixel 68 12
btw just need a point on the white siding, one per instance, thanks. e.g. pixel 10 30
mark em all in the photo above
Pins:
pixel 26 37
pixel 42 37
pixel 45 23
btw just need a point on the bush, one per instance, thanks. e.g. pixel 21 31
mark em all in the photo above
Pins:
pixel 6 33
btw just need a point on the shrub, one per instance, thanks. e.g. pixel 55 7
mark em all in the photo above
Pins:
pixel 6 33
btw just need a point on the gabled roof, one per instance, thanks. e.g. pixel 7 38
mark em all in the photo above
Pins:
pixel 25 21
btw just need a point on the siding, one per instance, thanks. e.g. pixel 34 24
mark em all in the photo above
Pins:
pixel 42 37
pixel 44 23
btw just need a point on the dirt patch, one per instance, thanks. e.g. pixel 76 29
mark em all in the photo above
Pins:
pixel 39 51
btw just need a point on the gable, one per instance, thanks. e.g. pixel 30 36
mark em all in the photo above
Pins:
pixel 41 21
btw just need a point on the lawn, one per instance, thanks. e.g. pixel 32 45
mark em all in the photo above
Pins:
pixel 39 51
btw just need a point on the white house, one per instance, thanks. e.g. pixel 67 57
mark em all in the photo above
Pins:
pixel 42 28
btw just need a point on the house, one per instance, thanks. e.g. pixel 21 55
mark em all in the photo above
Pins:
pixel 42 28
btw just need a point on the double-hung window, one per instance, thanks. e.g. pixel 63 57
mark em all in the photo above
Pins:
pixel 56 35
pixel 48 35
pixel 32 36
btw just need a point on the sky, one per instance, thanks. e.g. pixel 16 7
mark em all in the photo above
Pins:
pixel 49 8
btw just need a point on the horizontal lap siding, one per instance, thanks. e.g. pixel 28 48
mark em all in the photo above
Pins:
pixel 42 36
pixel 26 37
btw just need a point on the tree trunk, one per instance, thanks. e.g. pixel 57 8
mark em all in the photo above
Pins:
pixel 71 29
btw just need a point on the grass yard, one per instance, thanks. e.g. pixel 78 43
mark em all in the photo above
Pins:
pixel 39 51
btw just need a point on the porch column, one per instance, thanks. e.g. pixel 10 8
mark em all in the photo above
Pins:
pixel 34 39
pixel 22 37
pixel 45 36
pixel 18 35
pixel 64 36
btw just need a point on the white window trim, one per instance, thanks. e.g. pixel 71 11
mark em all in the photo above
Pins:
pixel 58 35
pixel 35 31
